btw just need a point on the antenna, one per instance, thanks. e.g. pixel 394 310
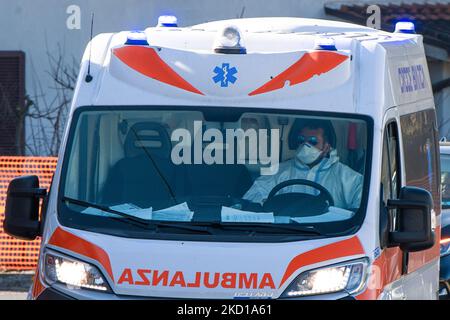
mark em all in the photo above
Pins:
pixel 242 12
pixel 88 75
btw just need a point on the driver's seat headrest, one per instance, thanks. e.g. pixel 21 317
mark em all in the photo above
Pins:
pixel 148 137
pixel 299 124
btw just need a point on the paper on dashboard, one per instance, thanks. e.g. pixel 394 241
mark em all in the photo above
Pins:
pixel 134 210
pixel 282 219
pixel 179 212
pixel 235 215
pixel 98 212
pixel 333 214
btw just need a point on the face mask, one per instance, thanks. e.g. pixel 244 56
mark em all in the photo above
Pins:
pixel 307 154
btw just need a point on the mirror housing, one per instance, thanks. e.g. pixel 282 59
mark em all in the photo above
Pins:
pixel 414 214
pixel 22 208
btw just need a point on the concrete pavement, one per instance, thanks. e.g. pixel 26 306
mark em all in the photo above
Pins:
pixel 15 285
pixel 12 295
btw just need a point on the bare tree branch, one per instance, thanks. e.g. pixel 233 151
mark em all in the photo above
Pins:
pixel 46 115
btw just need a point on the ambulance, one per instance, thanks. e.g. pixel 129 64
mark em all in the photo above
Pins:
pixel 184 171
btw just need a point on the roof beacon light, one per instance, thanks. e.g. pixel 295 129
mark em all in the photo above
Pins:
pixel 229 41
pixel 405 27
pixel 167 21
pixel 138 38
pixel 325 44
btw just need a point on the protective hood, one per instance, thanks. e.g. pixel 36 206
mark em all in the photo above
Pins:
pixel 189 269
pixel 343 183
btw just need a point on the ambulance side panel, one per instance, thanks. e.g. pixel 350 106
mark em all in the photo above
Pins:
pixel 421 169
pixel 410 86
pixel 408 101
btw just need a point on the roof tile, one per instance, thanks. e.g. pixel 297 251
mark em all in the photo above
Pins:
pixel 432 20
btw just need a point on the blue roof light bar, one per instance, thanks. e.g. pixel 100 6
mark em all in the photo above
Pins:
pixel 405 27
pixel 167 21
pixel 137 38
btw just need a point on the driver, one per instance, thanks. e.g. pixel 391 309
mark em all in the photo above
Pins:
pixel 315 160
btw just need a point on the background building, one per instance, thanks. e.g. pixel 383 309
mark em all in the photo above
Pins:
pixel 42 42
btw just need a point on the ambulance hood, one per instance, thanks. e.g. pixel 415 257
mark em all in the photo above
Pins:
pixel 211 270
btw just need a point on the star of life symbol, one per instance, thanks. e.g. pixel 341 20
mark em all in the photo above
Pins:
pixel 224 74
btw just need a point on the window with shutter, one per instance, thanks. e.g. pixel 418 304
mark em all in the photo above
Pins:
pixel 12 100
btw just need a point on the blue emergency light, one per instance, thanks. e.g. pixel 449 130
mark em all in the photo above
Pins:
pixel 405 27
pixel 325 44
pixel 137 38
pixel 167 21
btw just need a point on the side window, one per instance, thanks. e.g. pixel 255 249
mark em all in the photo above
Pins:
pixel 385 174
pixel 390 174
pixel 420 140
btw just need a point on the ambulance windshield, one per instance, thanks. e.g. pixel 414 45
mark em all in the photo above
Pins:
pixel 210 166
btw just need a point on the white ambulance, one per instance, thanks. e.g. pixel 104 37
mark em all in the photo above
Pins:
pixel 255 158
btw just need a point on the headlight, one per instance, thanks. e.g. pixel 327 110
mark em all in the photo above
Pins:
pixel 445 246
pixel 75 274
pixel 349 277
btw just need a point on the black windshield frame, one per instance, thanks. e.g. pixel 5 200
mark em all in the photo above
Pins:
pixel 113 227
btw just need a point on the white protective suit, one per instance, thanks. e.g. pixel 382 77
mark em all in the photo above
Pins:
pixel 343 183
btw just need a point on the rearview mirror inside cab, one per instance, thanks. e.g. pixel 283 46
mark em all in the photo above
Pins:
pixel 22 208
pixel 414 210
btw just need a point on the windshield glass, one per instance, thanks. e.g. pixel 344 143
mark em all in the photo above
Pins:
pixel 260 169
pixel 445 180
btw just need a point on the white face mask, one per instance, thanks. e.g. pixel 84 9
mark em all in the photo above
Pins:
pixel 307 154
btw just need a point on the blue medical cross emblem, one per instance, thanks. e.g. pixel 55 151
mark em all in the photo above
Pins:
pixel 224 74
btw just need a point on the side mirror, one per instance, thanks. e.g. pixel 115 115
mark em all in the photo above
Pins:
pixel 22 208
pixel 414 219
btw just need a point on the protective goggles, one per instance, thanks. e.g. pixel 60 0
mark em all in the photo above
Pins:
pixel 312 140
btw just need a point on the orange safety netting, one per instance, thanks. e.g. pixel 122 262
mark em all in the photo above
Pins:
pixel 17 254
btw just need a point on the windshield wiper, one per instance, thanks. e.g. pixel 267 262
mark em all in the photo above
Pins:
pixel 106 209
pixel 197 229
pixel 148 224
pixel 266 228
pixel 200 227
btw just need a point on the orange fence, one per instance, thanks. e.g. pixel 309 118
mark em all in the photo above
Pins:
pixel 16 254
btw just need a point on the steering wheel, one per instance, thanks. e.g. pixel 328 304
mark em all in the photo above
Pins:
pixel 298 204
